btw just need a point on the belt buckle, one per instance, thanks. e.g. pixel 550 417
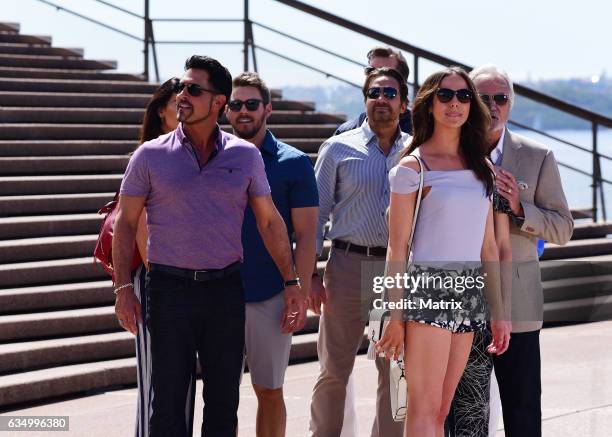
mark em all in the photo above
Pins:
pixel 195 274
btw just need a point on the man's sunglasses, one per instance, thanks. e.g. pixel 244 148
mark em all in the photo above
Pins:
pixel 250 104
pixel 500 99
pixel 193 89
pixel 445 95
pixel 388 92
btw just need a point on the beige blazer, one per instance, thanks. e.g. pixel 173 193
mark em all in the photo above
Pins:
pixel 547 216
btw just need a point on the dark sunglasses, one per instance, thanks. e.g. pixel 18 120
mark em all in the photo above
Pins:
pixel 500 99
pixel 445 95
pixel 388 92
pixel 251 104
pixel 193 89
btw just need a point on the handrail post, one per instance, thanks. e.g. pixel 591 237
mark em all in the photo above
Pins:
pixel 146 40
pixel 247 36
pixel 415 69
pixel 596 175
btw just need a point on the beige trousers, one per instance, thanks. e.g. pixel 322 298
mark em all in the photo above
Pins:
pixel 341 331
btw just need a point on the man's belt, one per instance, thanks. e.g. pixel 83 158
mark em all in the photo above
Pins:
pixel 364 250
pixel 197 275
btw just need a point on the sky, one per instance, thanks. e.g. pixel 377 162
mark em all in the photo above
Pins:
pixel 531 39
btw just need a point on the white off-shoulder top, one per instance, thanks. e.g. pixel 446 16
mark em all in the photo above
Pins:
pixel 452 217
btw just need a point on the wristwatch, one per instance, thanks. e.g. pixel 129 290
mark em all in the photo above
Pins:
pixel 292 282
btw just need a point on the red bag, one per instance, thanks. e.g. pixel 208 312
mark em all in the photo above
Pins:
pixel 103 252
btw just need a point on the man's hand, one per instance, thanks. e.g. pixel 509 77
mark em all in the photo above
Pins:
pixel 509 190
pixel 128 310
pixel 317 295
pixel 294 317
pixel 501 330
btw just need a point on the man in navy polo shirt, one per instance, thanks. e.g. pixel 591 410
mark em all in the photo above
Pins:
pixel 196 182
pixel 294 192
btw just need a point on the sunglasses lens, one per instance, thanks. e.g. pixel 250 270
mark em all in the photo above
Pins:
pixel 500 99
pixel 194 90
pixel 389 92
pixel 252 104
pixel 485 99
pixel 445 95
pixel 373 93
pixel 464 95
pixel 235 105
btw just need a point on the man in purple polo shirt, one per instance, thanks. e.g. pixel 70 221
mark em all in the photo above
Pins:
pixel 195 183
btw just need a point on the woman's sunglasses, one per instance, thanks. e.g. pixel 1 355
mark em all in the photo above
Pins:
pixel 499 99
pixel 251 104
pixel 193 89
pixel 445 95
pixel 388 92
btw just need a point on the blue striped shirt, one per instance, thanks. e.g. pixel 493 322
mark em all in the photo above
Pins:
pixel 352 178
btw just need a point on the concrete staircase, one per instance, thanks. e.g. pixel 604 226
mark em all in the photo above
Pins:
pixel 66 125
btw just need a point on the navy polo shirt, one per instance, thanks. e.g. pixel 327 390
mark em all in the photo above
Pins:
pixel 292 181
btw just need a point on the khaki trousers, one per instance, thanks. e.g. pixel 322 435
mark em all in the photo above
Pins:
pixel 341 330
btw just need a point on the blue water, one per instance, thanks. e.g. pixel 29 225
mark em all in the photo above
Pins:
pixel 577 187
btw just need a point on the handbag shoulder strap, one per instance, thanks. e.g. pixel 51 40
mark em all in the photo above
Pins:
pixel 417 205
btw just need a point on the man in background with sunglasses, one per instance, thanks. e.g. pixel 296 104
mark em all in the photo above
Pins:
pixel 196 182
pixel 379 57
pixel 527 177
pixel 352 177
pixel 294 192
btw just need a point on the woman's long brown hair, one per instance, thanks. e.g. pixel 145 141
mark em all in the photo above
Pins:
pixel 151 123
pixel 473 139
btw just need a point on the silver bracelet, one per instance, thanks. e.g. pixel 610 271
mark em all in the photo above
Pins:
pixel 121 287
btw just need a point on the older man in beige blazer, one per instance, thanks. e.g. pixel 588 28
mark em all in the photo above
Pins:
pixel 528 178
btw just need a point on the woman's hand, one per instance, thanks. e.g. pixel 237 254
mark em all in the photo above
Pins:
pixel 391 344
pixel 501 336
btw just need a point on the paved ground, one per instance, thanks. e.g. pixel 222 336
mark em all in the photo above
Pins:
pixel 577 393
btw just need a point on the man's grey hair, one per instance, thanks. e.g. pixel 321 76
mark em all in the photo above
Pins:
pixel 492 70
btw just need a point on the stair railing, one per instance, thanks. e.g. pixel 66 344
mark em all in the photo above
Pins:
pixel 249 48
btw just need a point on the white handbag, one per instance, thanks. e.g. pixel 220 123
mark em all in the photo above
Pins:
pixel 398 389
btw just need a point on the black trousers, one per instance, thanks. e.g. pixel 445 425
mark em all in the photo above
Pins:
pixel 185 317
pixel 520 387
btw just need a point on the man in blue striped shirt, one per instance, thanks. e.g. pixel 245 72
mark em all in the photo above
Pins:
pixel 351 174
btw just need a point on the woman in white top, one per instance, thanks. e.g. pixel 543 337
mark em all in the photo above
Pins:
pixel 453 236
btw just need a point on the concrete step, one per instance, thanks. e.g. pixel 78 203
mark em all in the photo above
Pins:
pixel 35 49
pixel 134 116
pixel 52 272
pixel 47 248
pixel 35 131
pixel 578 248
pixel 83 100
pixel 59 381
pixel 104 100
pixel 589 309
pixel 76 86
pixel 58 323
pixel 16 38
pixel 7 27
pixel 37 61
pixel 49 225
pixel 577 288
pixel 591 230
pixel 54 297
pixel 55 204
pixel 27 185
pixel 23 148
pixel 66 73
pixel 29 355
pixel 39 165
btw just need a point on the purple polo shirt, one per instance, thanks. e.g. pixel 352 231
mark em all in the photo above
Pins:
pixel 194 215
